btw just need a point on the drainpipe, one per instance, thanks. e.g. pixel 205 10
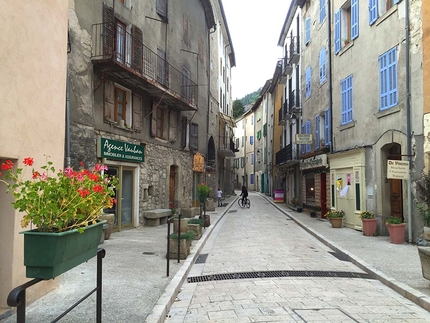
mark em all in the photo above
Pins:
pixel 67 121
pixel 408 121
pixel 209 100
pixel 330 80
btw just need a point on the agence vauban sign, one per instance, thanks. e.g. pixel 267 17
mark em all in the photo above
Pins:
pixel 120 150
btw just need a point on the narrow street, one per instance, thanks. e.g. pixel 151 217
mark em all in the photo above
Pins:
pixel 303 280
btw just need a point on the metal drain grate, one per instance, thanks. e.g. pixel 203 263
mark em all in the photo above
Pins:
pixel 201 259
pixel 279 273
pixel 339 256
pixel 232 211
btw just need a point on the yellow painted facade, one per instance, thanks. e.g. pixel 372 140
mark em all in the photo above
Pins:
pixel 33 73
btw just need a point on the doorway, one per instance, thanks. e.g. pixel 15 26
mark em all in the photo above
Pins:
pixel 123 209
pixel 396 201
pixel 172 185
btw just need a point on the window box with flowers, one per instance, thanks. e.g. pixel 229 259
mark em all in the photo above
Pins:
pixel 65 207
pixel 203 190
pixel 335 218
pixel 369 223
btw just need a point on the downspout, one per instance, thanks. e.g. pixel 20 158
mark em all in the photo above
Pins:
pixel 330 80
pixel 408 121
pixel 209 98
pixel 67 121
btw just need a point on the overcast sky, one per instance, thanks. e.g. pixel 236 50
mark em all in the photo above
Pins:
pixel 255 26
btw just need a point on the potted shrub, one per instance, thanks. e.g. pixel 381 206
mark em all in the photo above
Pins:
pixel 335 218
pixel 195 226
pixel 184 245
pixel 203 190
pixel 423 188
pixel 369 223
pixel 396 229
pixel 65 207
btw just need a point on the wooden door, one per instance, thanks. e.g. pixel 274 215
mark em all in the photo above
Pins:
pixel 172 184
pixel 396 202
pixel 323 191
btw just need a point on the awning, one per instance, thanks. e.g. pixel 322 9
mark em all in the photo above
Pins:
pixel 228 120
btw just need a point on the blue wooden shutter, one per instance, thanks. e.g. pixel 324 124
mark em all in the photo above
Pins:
pixel 308 130
pixel 373 11
pixel 322 10
pixel 317 132
pixel 327 134
pixel 346 86
pixel 308 81
pixel 252 159
pixel 388 79
pixel 354 19
pixel 337 32
pixel 308 30
pixel 322 65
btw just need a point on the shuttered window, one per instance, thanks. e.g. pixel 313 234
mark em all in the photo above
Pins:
pixel 322 10
pixel 346 99
pixel 327 131
pixel 308 30
pixel 337 44
pixel 317 132
pixel 373 11
pixel 308 81
pixel 323 65
pixel 354 19
pixel 388 79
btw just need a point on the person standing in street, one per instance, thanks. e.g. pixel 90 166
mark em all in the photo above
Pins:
pixel 219 194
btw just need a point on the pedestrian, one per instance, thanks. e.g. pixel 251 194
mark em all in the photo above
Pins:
pixel 244 194
pixel 219 194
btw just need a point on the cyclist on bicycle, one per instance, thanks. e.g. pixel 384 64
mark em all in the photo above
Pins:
pixel 244 194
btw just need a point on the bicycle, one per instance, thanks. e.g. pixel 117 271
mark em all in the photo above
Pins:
pixel 246 204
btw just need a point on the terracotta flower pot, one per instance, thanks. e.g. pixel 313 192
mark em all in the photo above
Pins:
pixel 336 222
pixel 397 233
pixel 369 226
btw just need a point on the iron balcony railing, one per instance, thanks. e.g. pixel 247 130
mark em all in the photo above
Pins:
pixel 294 102
pixel 123 49
pixel 294 53
pixel 286 154
pixel 283 113
pixel 227 143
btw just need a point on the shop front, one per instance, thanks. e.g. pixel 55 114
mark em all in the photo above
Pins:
pixel 315 183
pixel 347 185
pixel 123 161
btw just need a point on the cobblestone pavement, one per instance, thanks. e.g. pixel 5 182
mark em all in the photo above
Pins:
pixel 264 239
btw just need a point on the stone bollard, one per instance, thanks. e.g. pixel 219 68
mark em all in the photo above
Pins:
pixel 110 218
pixel 210 204
pixel 184 225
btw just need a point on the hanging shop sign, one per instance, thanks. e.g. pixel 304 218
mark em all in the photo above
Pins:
pixel 314 162
pixel 199 163
pixel 303 138
pixel 398 169
pixel 120 150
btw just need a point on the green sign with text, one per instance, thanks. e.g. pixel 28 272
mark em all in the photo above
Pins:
pixel 120 150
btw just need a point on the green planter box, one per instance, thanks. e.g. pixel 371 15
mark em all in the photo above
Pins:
pixel 49 254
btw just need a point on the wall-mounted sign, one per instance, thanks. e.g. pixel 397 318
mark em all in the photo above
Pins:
pixel 303 138
pixel 120 150
pixel 314 162
pixel 398 169
pixel 199 163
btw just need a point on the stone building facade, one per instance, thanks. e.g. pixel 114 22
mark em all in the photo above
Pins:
pixel 141 76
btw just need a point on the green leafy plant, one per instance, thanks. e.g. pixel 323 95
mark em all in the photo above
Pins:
pixel 59 201
pixel 196 221
pixel 423 188
pixel 203 189
pixel 367 215
pixel 173 209
pixel 394 220
pixel 331 214
pixel 295 201
pixel 187 236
